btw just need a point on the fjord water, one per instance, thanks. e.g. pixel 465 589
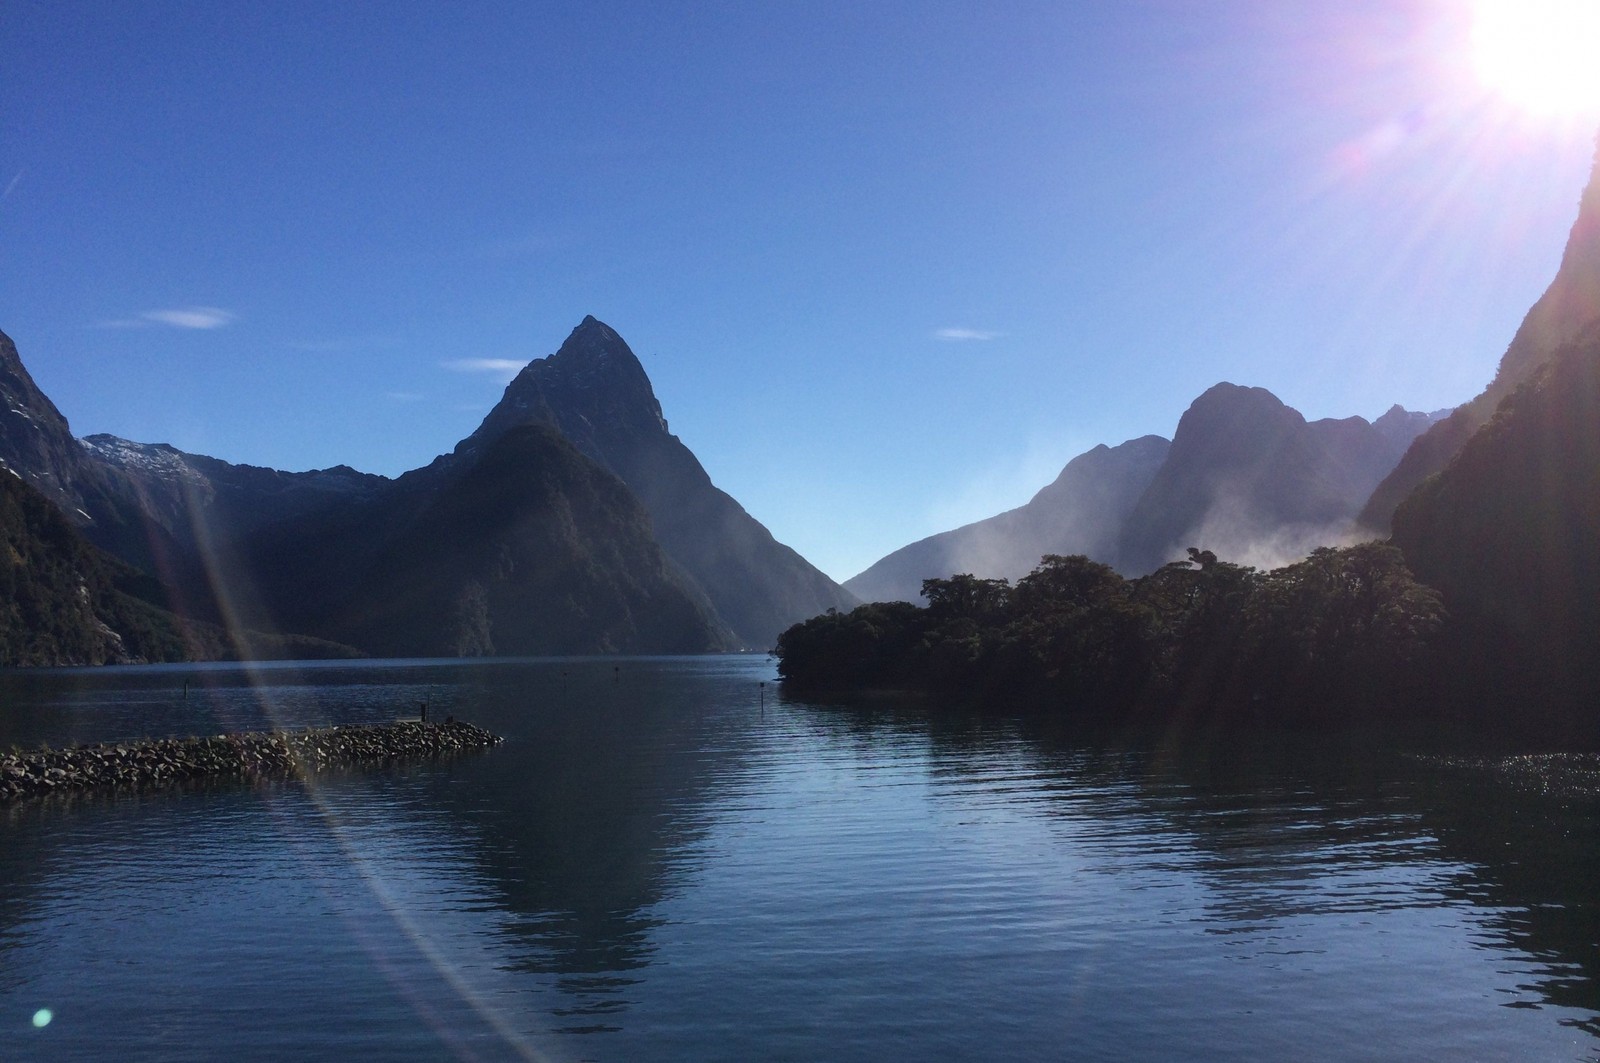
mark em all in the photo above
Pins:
pixel 667 860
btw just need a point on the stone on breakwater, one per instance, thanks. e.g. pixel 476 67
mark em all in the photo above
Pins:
pixel 249 754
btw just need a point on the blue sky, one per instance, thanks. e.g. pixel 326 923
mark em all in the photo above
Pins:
pixel 889 265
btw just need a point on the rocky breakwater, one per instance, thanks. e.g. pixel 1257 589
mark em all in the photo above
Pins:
pixel 247 755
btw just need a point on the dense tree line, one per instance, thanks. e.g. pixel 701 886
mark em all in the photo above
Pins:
pixel 1342 630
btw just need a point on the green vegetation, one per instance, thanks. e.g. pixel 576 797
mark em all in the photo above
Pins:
pixel 1342 631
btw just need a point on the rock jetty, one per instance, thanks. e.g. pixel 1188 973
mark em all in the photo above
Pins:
pixel 247 755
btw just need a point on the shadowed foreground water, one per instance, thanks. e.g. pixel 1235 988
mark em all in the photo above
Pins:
pixel 655 866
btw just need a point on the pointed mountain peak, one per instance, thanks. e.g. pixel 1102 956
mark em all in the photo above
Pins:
pixel 591 388
pixel 591 347
pixel 592 330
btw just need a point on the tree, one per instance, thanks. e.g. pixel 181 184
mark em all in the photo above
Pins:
pixel 965 596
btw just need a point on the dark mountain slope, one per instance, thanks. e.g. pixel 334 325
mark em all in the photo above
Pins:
pixel 595 392
pixel 532 549
pixel 1563 312
pixel 63 601
pixel 59 600
pixel 1509 532
pixel 37 444
pixel 193 496
pixel 1081 512
pixel 200 511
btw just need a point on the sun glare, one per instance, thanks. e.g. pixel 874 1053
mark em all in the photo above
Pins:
pixel 1541 55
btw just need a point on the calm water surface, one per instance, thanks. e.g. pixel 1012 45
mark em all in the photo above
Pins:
pixel 658 866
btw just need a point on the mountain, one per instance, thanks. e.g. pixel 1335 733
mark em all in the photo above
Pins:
pixel 59 599
pixel 199 514
pixel 195 497
pixel 1567 307
pixel 1509 533
pixel 64 601
pixel 37 444
pixel 1252 480
pixel 1081 512
pixel 1244 476
pixel 595 393
pixel 512 544
pixel 571 521
pixel 533 549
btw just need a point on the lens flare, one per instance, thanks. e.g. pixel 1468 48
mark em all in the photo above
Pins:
pixel 1540 55
pixel 42 1017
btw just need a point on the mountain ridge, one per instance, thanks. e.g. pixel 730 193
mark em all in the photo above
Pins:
pixel 249 547
pixel 1244 475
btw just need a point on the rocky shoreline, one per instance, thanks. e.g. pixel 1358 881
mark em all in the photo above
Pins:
pixel 248 755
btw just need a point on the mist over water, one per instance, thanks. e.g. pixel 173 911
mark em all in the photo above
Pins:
pixel 667 860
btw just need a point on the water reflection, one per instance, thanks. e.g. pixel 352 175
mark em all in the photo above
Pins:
pixel 657 866
pixel 594 814
pixel 1283 829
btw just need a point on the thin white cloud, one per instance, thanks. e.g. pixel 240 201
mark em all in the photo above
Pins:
pixel 201 317
pixel 504 368
pixel 12 184
pixel 956 335
pixel 189 317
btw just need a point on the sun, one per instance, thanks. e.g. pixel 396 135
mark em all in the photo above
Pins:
pixel 1540 55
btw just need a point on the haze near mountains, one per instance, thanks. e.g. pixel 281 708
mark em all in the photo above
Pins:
pixel 1244 475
